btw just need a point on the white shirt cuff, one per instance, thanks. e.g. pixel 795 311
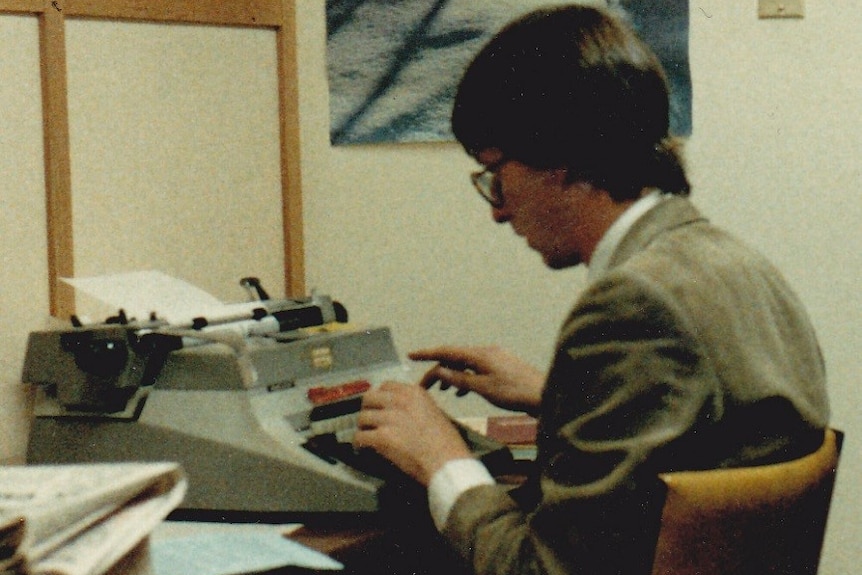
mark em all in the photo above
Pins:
pixel 450 481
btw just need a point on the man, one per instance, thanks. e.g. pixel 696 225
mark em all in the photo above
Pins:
pixel 687 350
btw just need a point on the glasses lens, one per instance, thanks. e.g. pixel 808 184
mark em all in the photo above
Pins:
pixel 487 186
pixel 485 183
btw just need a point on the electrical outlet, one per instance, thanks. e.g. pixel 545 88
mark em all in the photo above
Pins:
pixel 781 8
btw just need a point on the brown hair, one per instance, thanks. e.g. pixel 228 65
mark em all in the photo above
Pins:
pixel 573 87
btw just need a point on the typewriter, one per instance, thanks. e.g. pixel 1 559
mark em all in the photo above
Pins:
pixel 259 410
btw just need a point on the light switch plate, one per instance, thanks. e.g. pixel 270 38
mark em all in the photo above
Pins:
pixel 781 8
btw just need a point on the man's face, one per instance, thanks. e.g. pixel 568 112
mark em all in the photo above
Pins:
pixel 543 208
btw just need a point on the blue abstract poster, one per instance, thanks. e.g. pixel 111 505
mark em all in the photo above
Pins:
pixel 394 65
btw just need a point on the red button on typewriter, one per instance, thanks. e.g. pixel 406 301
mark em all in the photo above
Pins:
pixel 324 394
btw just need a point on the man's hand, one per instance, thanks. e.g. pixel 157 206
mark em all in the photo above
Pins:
pixel 402 423
pixel 495 374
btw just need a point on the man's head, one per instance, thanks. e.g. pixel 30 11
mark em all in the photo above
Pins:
pixel 572 88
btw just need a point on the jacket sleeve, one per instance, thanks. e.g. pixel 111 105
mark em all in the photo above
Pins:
pixel 629 379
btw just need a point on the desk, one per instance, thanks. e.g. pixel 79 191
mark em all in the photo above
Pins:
pixel 379 550
pixel 349 545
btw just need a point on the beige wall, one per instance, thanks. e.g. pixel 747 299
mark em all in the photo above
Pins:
pixel 23 244
pixel 396 233
pixel 186 117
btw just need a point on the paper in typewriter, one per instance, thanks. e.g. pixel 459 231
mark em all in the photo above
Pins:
pixel 141 293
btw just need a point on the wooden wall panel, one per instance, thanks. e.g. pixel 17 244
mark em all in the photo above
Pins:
pixel 276 14
pixel 237 12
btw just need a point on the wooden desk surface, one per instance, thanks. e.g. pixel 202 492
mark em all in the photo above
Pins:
pixel 347 545
pixel 408 548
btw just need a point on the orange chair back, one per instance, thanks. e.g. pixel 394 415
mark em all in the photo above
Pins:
pixel 761 520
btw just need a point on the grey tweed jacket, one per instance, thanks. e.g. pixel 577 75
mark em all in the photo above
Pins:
pixel 691 352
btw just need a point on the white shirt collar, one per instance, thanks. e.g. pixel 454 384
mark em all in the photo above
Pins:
pixel 618 230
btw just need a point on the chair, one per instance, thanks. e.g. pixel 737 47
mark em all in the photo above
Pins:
pixel 758 520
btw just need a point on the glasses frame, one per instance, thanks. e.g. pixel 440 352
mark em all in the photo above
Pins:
pixel 486 183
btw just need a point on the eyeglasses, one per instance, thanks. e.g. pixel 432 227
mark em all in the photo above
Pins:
pixel 488 186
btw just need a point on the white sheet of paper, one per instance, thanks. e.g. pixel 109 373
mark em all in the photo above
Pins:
pixel 141 293
pixel 234 553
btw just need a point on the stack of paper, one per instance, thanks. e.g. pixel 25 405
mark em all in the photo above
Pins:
pixel 81 519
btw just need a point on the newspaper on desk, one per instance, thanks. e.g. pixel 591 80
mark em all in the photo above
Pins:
pixel 81 519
